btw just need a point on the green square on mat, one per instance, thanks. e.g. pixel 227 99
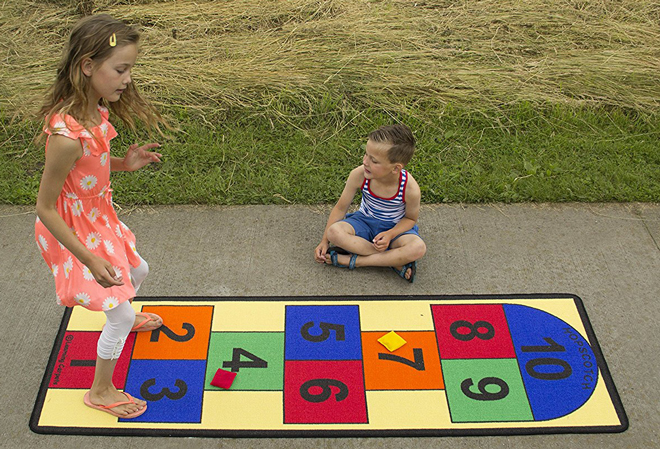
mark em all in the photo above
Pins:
pixel 257 358
pixel 463 378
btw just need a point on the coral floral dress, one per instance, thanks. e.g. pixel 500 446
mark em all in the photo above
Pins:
pixel 85 204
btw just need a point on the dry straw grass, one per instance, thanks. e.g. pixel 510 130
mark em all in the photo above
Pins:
pixel 216 55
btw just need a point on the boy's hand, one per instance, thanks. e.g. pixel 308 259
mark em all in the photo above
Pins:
pixel 320 251
pixel 382 241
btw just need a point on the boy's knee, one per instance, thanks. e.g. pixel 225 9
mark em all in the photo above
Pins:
pixel 419 249
pixel 335 232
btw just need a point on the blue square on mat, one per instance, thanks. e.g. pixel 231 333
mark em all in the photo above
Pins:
pixel 322 332
pixel 173 389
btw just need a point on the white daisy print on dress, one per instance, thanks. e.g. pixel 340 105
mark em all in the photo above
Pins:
pixel 87 273
pixel 86 150
pixel 88 182
pixel 132 246
pixel 58 300
pixel 107 221
pixel 71 196
pixel 110 303
pixel 60 128
pixel 43 243
pixel 82 299
pixel 93 240
pixel 118 272
pixel 104 129
pixel 55 269
pixel 86 134
pixel 104 159
pixel 93 214
pixel 118 231
pixel 67 267
pixel 77 208
pixel 109 247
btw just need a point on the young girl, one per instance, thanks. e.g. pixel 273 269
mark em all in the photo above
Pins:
pixel 90 252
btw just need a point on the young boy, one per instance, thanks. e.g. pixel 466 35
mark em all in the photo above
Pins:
pixel 383 232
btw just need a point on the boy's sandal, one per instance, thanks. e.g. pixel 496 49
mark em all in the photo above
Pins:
pixel 338 250
pixel 402 272
pixel 351 263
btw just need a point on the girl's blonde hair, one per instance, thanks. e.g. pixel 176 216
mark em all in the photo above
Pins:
pixel 95 37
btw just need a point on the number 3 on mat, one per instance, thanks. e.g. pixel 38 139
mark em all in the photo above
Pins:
pixel 164 392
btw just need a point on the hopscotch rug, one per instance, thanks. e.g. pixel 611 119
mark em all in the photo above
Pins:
pixel 353 366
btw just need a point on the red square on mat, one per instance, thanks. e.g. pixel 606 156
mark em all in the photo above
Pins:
pixel 223 379
pixel 76 361
pixel 324 392
pixel 472 331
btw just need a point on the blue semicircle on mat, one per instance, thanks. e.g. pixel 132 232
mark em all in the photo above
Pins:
pixel 558 366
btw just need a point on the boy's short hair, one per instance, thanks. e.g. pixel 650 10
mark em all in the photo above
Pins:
pixel 401 139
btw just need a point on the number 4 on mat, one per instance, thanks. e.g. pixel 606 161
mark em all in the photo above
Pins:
pixel 236 363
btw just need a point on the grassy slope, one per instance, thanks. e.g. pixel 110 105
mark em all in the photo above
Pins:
pixel 510 101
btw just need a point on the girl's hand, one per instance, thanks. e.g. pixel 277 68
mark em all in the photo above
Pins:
pixel 104 273
pixel 137 157
pixel 382 241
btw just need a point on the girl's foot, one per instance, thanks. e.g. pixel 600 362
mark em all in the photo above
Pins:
pixel 146 322
pixel 128 406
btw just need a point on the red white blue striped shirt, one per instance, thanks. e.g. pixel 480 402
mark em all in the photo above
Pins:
pixel 385 209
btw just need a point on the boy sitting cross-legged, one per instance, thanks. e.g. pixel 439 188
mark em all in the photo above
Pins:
pixel 383 232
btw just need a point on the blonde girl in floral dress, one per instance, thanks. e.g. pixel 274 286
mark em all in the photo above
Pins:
pixel 90 252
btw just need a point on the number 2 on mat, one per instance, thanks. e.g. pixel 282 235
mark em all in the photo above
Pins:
pixel 189 328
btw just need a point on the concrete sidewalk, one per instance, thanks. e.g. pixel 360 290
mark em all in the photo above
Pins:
pixel 609 255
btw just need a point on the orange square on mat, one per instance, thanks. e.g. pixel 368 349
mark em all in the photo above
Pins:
pixel 184 335
pixel 392 341
pixel 415 366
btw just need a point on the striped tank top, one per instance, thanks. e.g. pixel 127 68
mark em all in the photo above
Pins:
pixel 385 209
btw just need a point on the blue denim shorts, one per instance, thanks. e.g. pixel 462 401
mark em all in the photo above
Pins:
pixel 368 228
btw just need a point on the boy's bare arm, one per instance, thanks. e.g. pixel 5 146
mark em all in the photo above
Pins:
pixel 353 183
pixel 413 200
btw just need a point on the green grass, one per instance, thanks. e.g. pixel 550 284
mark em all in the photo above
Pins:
pixel 511 101
pixel 288 153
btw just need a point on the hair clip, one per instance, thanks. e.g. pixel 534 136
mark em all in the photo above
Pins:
pixel 113 40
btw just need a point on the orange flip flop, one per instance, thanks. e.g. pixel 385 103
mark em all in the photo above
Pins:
pixel 106 408
pixel 137 327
